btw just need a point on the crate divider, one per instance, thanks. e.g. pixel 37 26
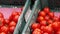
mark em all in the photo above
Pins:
pixel 21 21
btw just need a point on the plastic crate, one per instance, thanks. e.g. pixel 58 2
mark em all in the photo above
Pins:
pixel 38 5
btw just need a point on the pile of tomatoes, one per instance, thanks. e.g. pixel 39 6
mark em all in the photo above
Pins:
pixel 46 23
pixel 7 26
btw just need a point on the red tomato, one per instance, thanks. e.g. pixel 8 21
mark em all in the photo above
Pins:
pixel 1 15
pixel 55 26
pixel 40 18
pixel 58 32
pixel 11 29
pixel 47 17
pixel 46 10
pixel 42 13
pixel 19 13
pixel 59 24
pixel 35 25
pixel 50 21
pixel 36 31
pixel 56 19
pixel 43 23
pixel 51 14
pixel 12 23
pixel 4 29
pixel 42 28
pixel 7 21
pixel 47 29
pixel 14 13
pixel 2 33
pixel 16 18
pixel 45 33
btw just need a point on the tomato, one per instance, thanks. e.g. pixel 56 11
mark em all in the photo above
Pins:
pixel 47 29
pixel 58 32
pixel 19 13
pixel 43 23
pixel 55 26
pixel 11 29
pixel 14 13
pixel 56 19
pixel 42 27
pixel 36 31
pixel 51 14
pixel 40 18
pixel 59 24
pixel 7 21
pixel 2 33
pixel 12 23
pixel 50 21
pixel 47 17
pixel 4 29
pixel 42 13
pixel 1 15
pixel 35 25
pixel 45 33
pixel 46 10
pixel 16 18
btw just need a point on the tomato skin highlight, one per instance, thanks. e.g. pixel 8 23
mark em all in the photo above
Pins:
pixel 2 33
pixel 40 18
pixel 12 23
pixel 16 18
pixel 36 31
